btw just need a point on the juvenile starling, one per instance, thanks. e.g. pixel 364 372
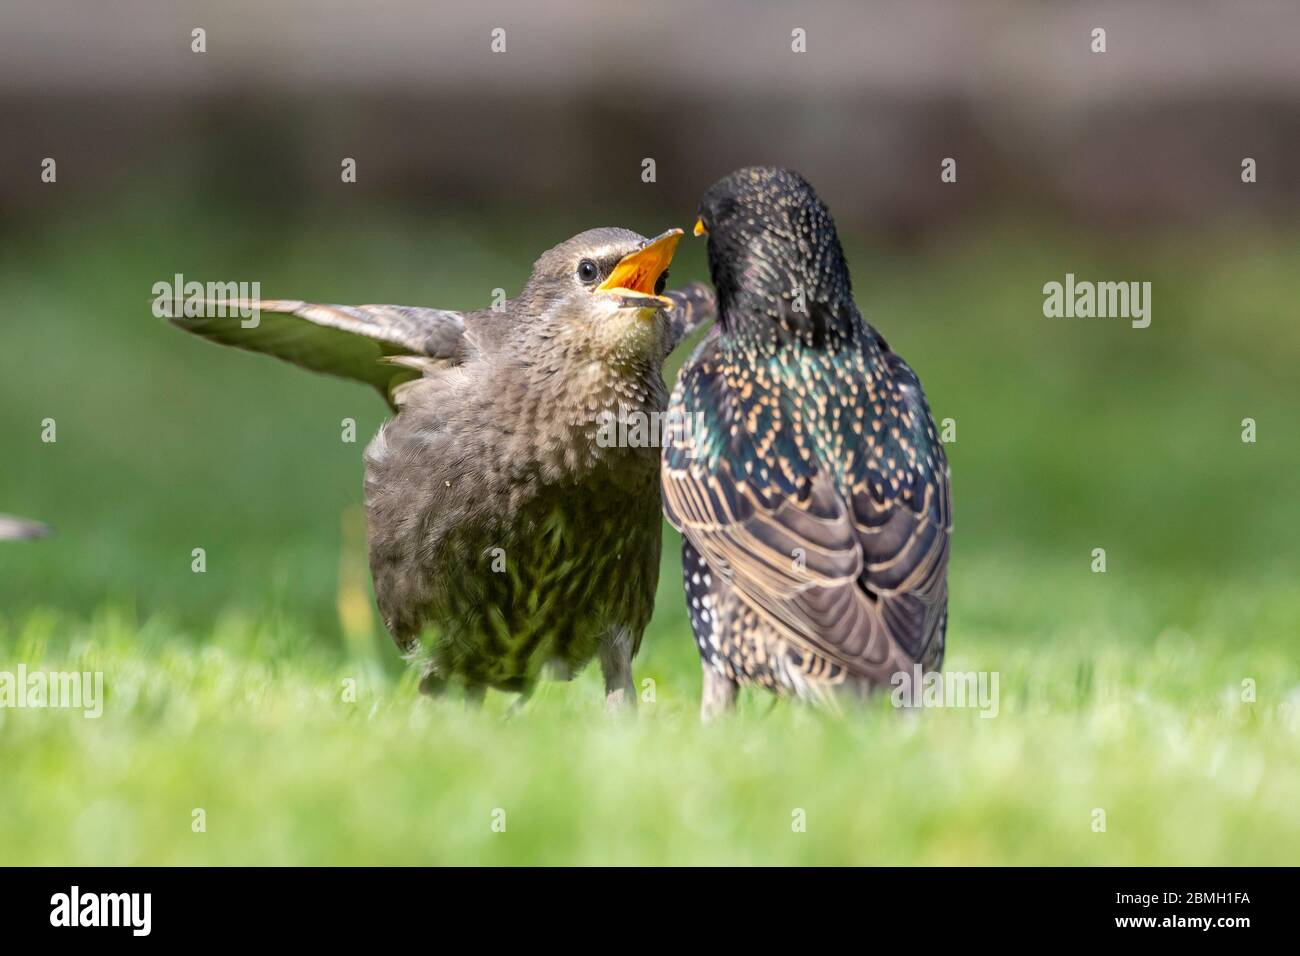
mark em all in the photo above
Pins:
pixel 811 490
pixel 506 535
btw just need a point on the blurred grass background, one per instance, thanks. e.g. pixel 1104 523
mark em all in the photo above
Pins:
pixel 1120 691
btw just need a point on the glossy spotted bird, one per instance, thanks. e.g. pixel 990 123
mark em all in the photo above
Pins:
pixel 508 533
pixel 806 478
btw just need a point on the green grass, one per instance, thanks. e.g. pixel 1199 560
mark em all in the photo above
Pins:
pixel 1120 691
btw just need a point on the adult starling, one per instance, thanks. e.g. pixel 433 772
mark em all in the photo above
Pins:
pixel 810 489
pixel 507 534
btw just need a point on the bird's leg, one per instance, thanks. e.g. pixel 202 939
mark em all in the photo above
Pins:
pixel 432 685
pixel 616 665
pixel 474 694
pixel 718 695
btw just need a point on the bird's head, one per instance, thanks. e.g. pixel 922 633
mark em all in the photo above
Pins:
pixel 602 290
pixel 773 251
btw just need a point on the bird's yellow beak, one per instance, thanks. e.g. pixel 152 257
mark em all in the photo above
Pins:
pixel 700 229
pixel 638 272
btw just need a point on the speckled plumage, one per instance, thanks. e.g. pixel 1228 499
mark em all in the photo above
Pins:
pixel 812 490
pixel 504 538
pixel 20 529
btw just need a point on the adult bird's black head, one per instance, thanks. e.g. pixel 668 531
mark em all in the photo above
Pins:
pixel 775 258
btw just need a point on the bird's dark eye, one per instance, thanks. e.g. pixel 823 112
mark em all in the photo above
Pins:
pixel 663 281
pixel 588 272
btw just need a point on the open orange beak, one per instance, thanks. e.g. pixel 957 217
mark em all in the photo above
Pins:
pixel 637 273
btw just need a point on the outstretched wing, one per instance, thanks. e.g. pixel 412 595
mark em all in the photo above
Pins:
pixel 693 304
pixel 853 571
pixel 350 341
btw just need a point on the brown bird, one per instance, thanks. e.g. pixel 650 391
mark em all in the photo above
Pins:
pixel 507 534
pixel 812 491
